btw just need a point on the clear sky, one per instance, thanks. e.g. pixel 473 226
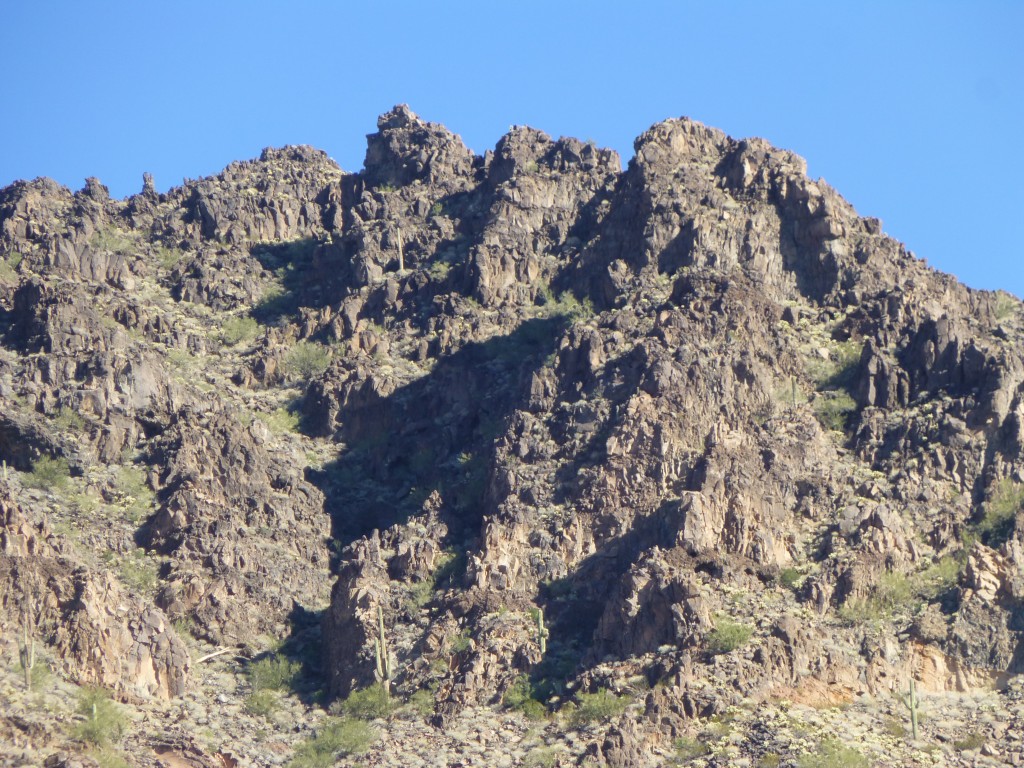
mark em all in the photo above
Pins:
pixel 912 110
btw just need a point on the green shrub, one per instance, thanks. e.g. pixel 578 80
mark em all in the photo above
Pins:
pixel 422 702
pixel 135 496
pixel 104 721
pixel 9 268
pixel 168 258
pixel 1005 305
pixel 306 360
pixel 894 593
pixel 598 706
pixel 688 749
pixel 335 739
pixel 969 742
pixel 138 572
pixel 521 696
pixel 999 513
pixel 833 410
pixel 838 371
pixel 790 577
pixel 261 703
pixel 67 420
pixel 274 673
pixel 727 636
pixel 49 474
pixel 236 330
pixel 368 703
pixel 541 757
pixel 832 754
pixel 282 421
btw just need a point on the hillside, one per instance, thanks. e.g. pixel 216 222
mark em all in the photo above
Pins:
pixel 679 464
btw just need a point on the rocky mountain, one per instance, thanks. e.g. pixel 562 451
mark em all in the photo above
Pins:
pixel 500 460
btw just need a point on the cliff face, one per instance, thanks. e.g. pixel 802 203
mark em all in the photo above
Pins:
pixel 693 432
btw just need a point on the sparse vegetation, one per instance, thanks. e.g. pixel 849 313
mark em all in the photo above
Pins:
pixel 236 330
pixel 969 742
pixel 68 420
pixel 367 704
pixel 104 722
pixel 833 410
pixel 688 749
pixel 9 268
pixel 282 421
pixel 48 474
pixel 790 578
pixel 134 495
pixel 598 706
pixel 262 703
pixel 336 738
pixel 999 513
pixel 273 673
pixel 138 572
pixel 833 754
pixel 727 636
pixel 520 696
pixel 306 360
pixel 1005 305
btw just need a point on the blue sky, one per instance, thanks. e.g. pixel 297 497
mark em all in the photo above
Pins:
pixel 912 110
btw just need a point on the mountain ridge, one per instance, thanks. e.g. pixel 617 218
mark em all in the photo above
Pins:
pixel 692 432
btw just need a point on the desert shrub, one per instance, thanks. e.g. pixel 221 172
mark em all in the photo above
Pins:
pixel 969 742
pixel 727 636
pixel 104 721
pixel 833 410
pixel 336 738
pixel 839 370
pixel 136 497
pixel 688 749
pixel 9 268
pixel 790 577
pixel 236 330
pixel 541 757
pixel 894 593
pixel 68 420
pixel 273 673
pixel 138 572
pixel 168 258
pixel 770 760
pixel 1005 305
pixel 833 754
pixel 520 696
pixel 367 704
pixel 49 474
pixel 281 421
pixel 306 360
pixel 598 706
pixel 261 703
pixel 999 513
pixel 421 702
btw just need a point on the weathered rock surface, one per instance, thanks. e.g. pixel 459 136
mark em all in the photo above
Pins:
pixel 541 426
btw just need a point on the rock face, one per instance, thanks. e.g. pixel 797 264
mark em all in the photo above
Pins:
pixel 524 418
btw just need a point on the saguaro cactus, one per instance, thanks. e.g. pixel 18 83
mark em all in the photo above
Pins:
pixel 542 632
pixel 385 667
pixel 912 700
pixel 27 652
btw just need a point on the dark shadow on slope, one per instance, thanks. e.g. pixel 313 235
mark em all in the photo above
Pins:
pixel 295 667
pixel 573 605
pixel 299 270
pixel 435 434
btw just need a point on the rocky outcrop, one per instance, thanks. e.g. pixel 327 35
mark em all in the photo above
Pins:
pixel 559 426
pixel 100 634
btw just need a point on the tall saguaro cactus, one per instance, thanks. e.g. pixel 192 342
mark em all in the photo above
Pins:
pixel 385 665
pixel 542 632
pixel 912 700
